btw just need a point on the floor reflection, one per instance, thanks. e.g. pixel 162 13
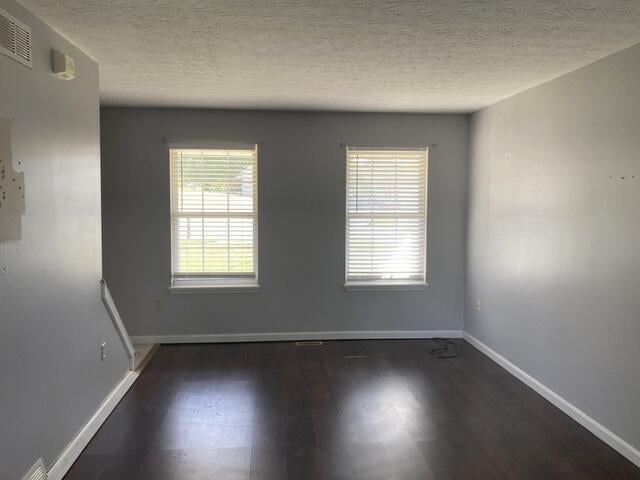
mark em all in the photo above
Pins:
pixel 371 410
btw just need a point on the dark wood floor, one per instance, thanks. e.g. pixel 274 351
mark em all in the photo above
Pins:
pixel 365 410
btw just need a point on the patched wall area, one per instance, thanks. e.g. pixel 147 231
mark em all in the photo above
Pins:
pixel 12 193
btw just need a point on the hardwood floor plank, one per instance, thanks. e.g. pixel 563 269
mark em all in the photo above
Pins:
pixel 346 410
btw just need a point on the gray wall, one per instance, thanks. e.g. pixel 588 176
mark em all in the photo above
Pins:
pixel 554 236
pixel 301 223
pixel 52 320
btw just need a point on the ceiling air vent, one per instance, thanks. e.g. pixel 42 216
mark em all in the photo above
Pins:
pixel 15 39
pixel 37 472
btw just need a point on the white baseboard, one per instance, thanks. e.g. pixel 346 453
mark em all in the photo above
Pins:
pixel 82 439
pixel 604 434
pixel 293 336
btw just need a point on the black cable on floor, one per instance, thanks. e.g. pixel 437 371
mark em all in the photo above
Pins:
pixel 446 348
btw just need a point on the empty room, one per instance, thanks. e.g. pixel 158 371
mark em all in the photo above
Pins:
pixel 319 240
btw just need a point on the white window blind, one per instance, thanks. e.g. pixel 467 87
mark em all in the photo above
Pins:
pixel 386 216
pixel 214 219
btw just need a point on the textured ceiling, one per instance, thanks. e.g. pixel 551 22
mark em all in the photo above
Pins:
pixel 366 55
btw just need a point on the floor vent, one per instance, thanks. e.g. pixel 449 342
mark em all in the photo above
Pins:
pixel 309 343
pixel 15 39
pixel 37 472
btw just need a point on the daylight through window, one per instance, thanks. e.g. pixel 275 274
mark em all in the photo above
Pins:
pixel 214 221
pixel 386 216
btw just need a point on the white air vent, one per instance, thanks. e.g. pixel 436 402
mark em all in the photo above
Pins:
pixel 15 39
pixel 37 472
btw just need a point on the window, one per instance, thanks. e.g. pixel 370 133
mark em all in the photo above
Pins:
pixel 386 218
pixel 214 219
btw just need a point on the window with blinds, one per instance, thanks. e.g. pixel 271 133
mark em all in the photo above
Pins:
pixel 386 216
pixel 214 219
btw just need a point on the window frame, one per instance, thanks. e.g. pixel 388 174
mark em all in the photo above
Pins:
pixel 215 283
pixel 385 284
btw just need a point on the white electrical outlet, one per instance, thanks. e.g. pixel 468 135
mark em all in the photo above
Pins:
pixel 478 305
pixel 103 351
pixel 161 303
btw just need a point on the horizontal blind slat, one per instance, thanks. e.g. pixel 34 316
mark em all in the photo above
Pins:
pixel 213 212
pixel 386 214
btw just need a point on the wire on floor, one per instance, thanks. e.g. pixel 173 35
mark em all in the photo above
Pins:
pixel 445 348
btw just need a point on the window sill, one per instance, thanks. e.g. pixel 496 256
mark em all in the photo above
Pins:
pixel 211 289
pixel 376 286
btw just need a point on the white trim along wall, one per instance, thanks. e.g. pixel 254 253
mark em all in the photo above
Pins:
pixel 293 336
pixel 604 434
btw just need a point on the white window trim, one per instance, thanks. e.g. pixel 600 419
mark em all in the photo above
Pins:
pixel 377 285
pixel 212 290
pixel 224 286
pixel 220 284
pixel 380 285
